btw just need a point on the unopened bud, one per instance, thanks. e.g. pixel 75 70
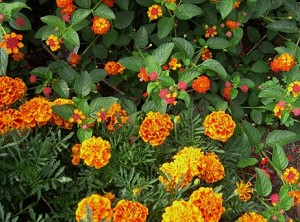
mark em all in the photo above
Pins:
pixel 56 29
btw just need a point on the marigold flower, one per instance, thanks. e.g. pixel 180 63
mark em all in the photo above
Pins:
pixel 99 205
pixel 109 196
pixel 56 119
pixel 53 42
pixel 206 54
pixel 274 199
pixel 155 128
pixel 12 42
pixel 74 59
pixel 182 211
pixel 63 3
pixel 10 120
pixel 283 63
pixel 154 12
pixel 201 84
pixel 77 117
pixel 100 25
pixel 143 76
pixel 251 217
pixel 208 202
pixel 226 92
pixel 232 24
pixel 214 170
pixel 174 64
pixel 219 126
pixel 113 115
pixel 18 56
pixel 76 154
pixel 296 195
pixel 95 152
pixel 290 175
pixel 243 190
pixel 114 68
pixel 109 3
pixel 294 88
pixel 127 211
pixel 210 31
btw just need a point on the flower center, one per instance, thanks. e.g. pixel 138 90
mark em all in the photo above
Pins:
pixel 296 88
pixel 291 176
pixel 154 11
pixel 51 42
pixel 12 43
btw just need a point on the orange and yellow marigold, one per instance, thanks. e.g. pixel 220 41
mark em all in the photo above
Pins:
pixel 201 84
pixel 114 68
pixel 128 211
pixel 214 170
pixel 251 217
pixel 244 190
pixel 12 42
pixel 284 63
pixel 10 120
pixel 154 12
pixel 100 25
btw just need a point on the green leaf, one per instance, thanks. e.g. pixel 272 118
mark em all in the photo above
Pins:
pixel 217 102
pixel 279 158
pixel 83 84
pixel 280 138
pixel 110 37
pixel 233 93
pixel 83 24
pixel 123 4
pixel 83 3
pixel 64 111
pixel 84 107
pixel 218 43
pixel 79 15
pixel 39 89
pixel 263 185
pixel 61 88
pixel 152 65
pixel 124 19
pixel 160 105
pixel 236 111
pixel 256 116
pixel 283 26
pixel 247 162
pixel 128 105
pixel 148 106
pixel 100 51
pixel 132 63
pixel 105 12
pixel 141 38
pixel 54 22
pixel 84 134
pixel 187 11
pixel 293 8
pixel 184 46
pixel 285 203
pixel 163 52
pixel 15 24
pixel 260 67
pixel 185 97
pixel 171 6
pixel 68 74
pixel 101 102
pixel 41 72
pixel 10 8
pixel 97 75
pixel 164 26
pixel 274 92
pixel 71 36
pixel 215 66
pixel 253 134
pixel 226 7
pixel 3 61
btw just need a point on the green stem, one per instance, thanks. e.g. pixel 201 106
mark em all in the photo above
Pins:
pixel 89 46
pixel 140 52
pixel 297 43
pixel 3 29
pixel 272 164
pixel 257 44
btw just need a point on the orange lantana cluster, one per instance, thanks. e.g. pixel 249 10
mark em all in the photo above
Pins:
pixel 77 117
pixel 278 108
pixel 74 59
pixel 232 24
pixel 154 12
pixel 56 119
pixel 251 217
pixel 114 68
pixel 201 84
pixel 174 64
pixel 143 75
pixel 67 7
pixel 109 3
pixel 284 63
pixel 219 126
pixel 12 43
pixel 127 211
pixel 100 25
pixel 155 128
pixel 206 54
pixel 296 195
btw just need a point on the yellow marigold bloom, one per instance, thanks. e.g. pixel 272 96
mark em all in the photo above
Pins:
pixel 155 128
pixel 76 154
pixel 99 205
pixel 214 170
pixel 63 3
pixel 95 152
pixel 36 111
pixel 74 59
pixel 100 25
pixel 210 31
pixel 77 117
pixel 201 84
pixel 296 195
pixel 154 12
pixel 18 56
pixel 219 126
pixel 283 63
pixel 244 190
pixel 12 42
pixel 10 120
pixel 174 64
pixel 290 175
pixel 113 115
pixel 206 54
pixel 294 88
pixel 182 211
pixel 251 217
pixel 232 24
pixel 53 42
pixel 208 202
pixel 56 119
pixel 128 211
pixel 114 68
pixel 109 3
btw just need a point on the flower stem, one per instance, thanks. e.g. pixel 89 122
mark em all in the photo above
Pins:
pixel 89 46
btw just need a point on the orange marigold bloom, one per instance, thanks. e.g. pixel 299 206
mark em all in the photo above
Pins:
pixel 99 205
pixel 210 31
pixel 36 111
pixel 296 195
pixel 206 54
pixel 294 88
pixel 173 64
pixel 10 120
pixel 251 217
pixel 74 59
pixel 154 12
pixel 95 152
pixel 208 202
pixel 290 175
pixel 109 3
pixel 219 126
pixel 244 190
pixel 56 119
pixel 77 117
pixel 182 211
pixel 68 10
pixel 201 84
pixel 100 25
pixel 53 42
pixel 76 154
pixel 155 128
pixel 283 63
pixel 128 211
pixel 63 3
pixel 232 24
pixel 214 170
pixel 114 68
pixel 113 115
pixel 109 196
pixel 12 42
pixel 18 56
pixel 143 76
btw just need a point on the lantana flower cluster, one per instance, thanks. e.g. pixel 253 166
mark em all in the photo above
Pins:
pixel 283 63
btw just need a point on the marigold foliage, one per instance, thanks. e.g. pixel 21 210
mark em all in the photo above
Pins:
pixel 127 211
pixel 251 217
pixel 201 84
pixel 244 190
pixel 100 25
pixel 12 43
pixel 284 63
pixel 290 175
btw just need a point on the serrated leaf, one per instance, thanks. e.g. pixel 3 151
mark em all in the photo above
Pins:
pixel 79 15
pixel 54 21
pixel 184 46
pixel 132 63
pixel 256 116
pixel 226 7
pixel 163 52
pixel 97 75
pixel 41 72
pixel 218 43
pixel 71 36
pixel 280 138
pixel 110 37
pixel 279 158
pixel 187 11
pixel 84 134
pixel 252 133
pixel 61 88
pixel 83 84
pixel 64 111
pixel 105 12
pixel 164 26
pixel 83 3
pixel 3 62
pixel 128 105
pixel 68 74
pixel 247 162
pixel 152 65
pixel 293 8
pixel 124 19
pixel 101 102
pixel 185 97
pixel 141 38
pixel 23 25
pixel 188 75
pixel 283 26
pixel 260 67
pixel 263 184
pixel 160 105
pixel 215 66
